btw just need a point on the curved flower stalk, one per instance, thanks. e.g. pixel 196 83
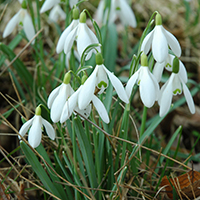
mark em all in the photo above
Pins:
pixel 83 36
pixel 119 9
pixel 148 85
pixel 64 35
pixel 167 64
pixel 23 17
pixel 57 13
pixel 35 133
pixel 174 86
pixel 58 97
pixel 48 4
pixel 99 79
pixel 72 105
pixel 159 39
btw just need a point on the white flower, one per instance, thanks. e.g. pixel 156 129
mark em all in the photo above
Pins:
pixel 120 9
pixel 167 64
pixel 159 39
pixel 99 79
pixel 83 36
pixel 57 13
pixel 174 86
pixel 48 4
pixel 64 35
pixel 72 105
pixel 57 99
pixel 35 133
pixel 148 85
pixel 23 17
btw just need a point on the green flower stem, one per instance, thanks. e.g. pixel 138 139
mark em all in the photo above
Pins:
pixel 144 117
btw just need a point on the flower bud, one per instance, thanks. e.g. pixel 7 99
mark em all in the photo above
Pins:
pixel 144 60
pixel 99 59
pixel 38 110
pixel 83 79
pixel 75 13
pixel 67 78
pixel 158 19
pixel 175 68
pixel 82 17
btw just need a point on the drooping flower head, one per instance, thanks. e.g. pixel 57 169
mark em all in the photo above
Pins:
pixel 21 17
pixel 148 85
pixel 119 9
pixel 174 86
pixel 58 97
pixel 159 39
pixel 36 124
pixel 83 37
pixel 99 79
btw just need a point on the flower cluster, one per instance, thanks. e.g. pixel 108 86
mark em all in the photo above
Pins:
pixel 69 98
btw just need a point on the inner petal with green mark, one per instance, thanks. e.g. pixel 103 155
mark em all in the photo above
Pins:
pixel 118 8
pixel 102 83
pixel 177 91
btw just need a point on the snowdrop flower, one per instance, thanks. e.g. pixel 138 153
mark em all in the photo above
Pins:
pixel 83 36
pixel 174 86
pixel 57 13
pixel 148 85
pixel 159 39
pixel 72 105
pixel 120 9
pixel 58 97
pixel 99 79
pixel 167 64
pixel 23 17
pixel 48 4
pixel 64 35
pixel 35 133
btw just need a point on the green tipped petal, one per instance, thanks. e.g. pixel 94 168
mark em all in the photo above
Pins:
pixel 99 59
pixel 75 13
pixel 82 17
pixel 158 19
pixel 67 78
pixel 24 5
pixel 144 60
pixel 38 111
pixel 175 68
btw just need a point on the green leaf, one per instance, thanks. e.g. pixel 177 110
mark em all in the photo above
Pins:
pixel 38 169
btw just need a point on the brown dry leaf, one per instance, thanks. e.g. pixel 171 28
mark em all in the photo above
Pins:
pixel 186 185
pixel 3 195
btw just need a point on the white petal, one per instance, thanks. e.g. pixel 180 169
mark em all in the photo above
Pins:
pixel 59 102
pixel 49 129
pixel 11 24
pixel 158 70
pixel 182 72
pixel 53 95
pixel 148 91
pixel 85 38
pixel 188 98
pixel 165 97
pixel 159 45
pixel 85 112
pixel 61 41
pixel 119 88
pixel 147 42
pixel 131 83
pixel 28 27
pixel 69 106
pixel 70 40
pixel 173 43
pixel 57 13
pixel 35 133
pixel 126 14
pixel 48 4
pixel 99 12
pixel 87 90
pixel 100 109
pixel 102 79
pixel 23 130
